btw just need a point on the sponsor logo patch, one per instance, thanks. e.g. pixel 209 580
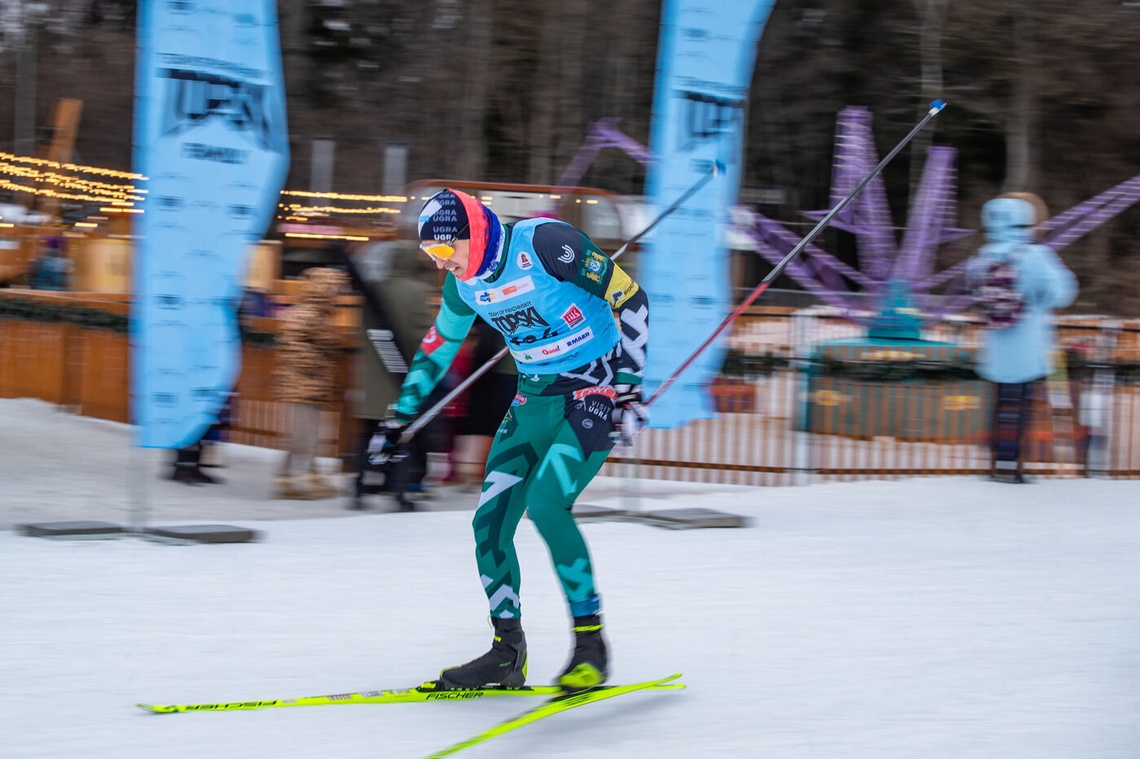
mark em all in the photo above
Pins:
pixel 581 337
pixel 525 261
pixel 528 318
pixel 600 409
pixel 605 390
pixel 541 352
pixel 573 316
pixel 506 291
pixel 621 287
pixel 594 265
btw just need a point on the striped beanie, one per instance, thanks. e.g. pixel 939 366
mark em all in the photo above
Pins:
pixel 451 214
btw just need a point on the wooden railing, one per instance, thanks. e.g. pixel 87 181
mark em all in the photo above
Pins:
pixel 86 370
pixel 780 428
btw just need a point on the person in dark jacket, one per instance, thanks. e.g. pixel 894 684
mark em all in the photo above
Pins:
pixel 401 281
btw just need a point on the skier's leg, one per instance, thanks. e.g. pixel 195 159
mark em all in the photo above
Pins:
pixel 581 444
pixel 578 450
pixel 501 506
pixel 520 443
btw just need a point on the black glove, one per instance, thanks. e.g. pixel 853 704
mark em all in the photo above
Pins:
pixel 630 416
pixel 385 446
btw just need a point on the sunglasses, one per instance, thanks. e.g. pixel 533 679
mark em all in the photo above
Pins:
pixel 442 249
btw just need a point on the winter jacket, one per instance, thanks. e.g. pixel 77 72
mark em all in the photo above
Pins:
pixel 1021 352
pixel 402 278
pixel 309 344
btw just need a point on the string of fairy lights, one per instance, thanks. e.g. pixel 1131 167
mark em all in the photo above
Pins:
pixel 116 194
pixel 298 208
pixel 70 182
pixel 122 192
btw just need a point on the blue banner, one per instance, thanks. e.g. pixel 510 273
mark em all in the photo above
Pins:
pixel 210 136
pixel 706 55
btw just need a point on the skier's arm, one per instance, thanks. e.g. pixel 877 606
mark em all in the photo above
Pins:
pixel 436 352
pixel 631 304
pixel 593 271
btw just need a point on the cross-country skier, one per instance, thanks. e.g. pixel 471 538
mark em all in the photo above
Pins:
pixel 553 294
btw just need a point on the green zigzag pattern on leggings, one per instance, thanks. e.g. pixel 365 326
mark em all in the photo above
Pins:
pixel 537 462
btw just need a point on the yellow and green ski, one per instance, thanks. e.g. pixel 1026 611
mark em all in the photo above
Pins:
pixel 557 705
pixel 426 692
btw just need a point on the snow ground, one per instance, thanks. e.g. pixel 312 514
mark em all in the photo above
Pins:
pixel 944 617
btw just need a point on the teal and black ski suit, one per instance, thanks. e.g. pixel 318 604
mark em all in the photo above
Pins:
pixel 553 295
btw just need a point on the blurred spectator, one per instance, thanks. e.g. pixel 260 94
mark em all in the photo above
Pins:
pixel 206 451
pixel 254 303
pixel 211 453
pixel 398 281
pixel 306 360
pixel 188 461
pixel 52 269
pixel 1018 283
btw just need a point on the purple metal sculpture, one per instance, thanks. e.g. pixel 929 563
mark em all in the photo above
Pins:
pixel 882 260
pixel 886 267
pixel 601 134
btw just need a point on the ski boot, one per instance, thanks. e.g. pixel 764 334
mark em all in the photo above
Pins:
pixel 589 664
pixel 504 664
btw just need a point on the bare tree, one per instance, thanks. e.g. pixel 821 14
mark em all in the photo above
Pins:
pixel 931 15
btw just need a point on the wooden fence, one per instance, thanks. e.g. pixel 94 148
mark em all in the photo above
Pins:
pixel 784 424
pixel 86 370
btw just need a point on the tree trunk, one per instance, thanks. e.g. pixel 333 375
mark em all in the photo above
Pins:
pixel 472 162
pixel 1023 104
pixel 931 15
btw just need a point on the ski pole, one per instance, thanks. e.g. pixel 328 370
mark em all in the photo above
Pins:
pixel 426 417
pixel 935 108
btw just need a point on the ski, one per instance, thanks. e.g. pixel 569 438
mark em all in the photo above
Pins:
pixel 557 705
pixel 425 692
pixel 393 696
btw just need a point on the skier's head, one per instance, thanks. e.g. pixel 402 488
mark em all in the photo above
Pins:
pixel 1013 216
pixel 460 234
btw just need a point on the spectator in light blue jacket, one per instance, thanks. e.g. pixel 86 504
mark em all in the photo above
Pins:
pixel 1016 356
